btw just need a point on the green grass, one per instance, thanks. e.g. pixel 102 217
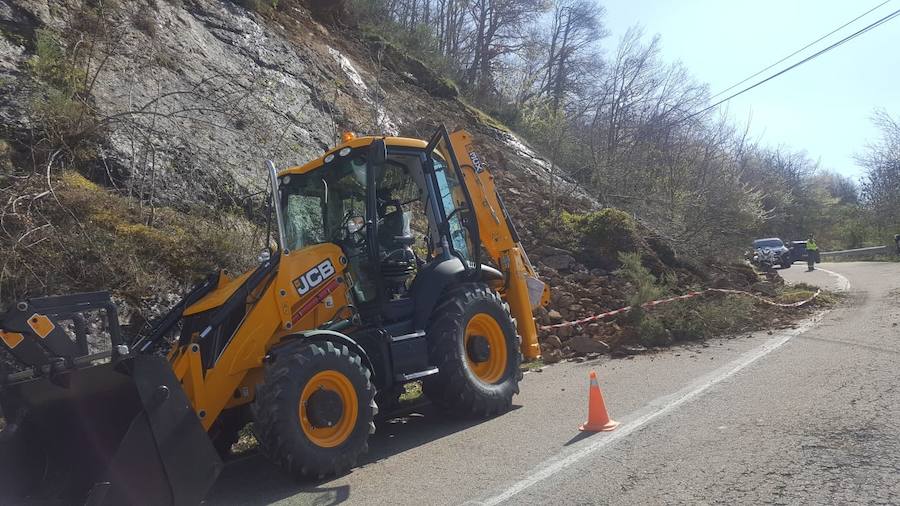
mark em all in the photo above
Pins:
pixel 485 118
pixel 709 317
pixel 796 292
pixel 532 365
pixel 102 240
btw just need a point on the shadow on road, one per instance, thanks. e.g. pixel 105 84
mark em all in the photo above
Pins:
pixel 253 480
pixel 579 437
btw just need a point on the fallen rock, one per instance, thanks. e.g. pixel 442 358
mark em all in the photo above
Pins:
pixel 552 357
pixel 560 262
pixel 584 344
pixel 540 311
pixel 634 349
pixel 584 277
pixel 555 316
pixel 552 342
pixel 565 300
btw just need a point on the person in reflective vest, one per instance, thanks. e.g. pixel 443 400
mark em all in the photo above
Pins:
pixel 812 253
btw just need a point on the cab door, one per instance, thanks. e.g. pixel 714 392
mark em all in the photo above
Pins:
pixel 457 225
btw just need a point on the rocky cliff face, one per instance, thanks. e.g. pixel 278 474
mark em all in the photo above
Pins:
pixel 199 92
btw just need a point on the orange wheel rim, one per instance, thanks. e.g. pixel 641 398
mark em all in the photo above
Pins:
pixel 492 369
pixel 334 381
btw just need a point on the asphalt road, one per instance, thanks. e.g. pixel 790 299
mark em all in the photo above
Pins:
pixel 806 415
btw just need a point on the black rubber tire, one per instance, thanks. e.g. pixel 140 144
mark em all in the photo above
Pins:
pixel 455 388
pixel 276 411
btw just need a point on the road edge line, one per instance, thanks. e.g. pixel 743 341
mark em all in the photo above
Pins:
pixel 659 407
pixel 843 282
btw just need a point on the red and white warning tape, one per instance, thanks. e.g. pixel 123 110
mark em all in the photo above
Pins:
pixel 688 295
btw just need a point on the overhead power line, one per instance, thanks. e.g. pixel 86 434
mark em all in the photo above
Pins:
pixel 801 62
pixel 820 39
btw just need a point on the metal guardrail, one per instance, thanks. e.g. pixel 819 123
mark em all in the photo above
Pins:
pixel 873 250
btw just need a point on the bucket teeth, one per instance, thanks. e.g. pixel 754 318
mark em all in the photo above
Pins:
pixel 371 427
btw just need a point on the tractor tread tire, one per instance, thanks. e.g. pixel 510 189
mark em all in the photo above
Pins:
pixel 455 389
pixel 276 411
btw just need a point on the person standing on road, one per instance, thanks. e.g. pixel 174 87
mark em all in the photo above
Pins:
pixel 897 240
pixel 812 253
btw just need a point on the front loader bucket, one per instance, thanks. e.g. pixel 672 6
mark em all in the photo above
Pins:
pixel 111 434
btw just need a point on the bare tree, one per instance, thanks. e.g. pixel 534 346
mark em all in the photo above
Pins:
pixel 881 182
pixel 575 26
pixel 498 30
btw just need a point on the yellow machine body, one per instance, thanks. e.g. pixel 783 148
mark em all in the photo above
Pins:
pixel 277 310
pixel 231 338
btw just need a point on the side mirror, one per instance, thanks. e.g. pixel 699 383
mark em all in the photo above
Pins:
pixel 377 153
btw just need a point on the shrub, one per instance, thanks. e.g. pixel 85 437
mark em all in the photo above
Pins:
pixel 643 283
pixel 709 317
pixel 599 237
pixel 652 331
pixel 52 66
pixel 644 288
pixel 59 104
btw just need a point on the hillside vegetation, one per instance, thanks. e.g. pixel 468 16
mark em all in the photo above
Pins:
pixel 635 131
pixel 133 137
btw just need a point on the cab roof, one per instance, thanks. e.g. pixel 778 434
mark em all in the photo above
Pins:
pixel 356 142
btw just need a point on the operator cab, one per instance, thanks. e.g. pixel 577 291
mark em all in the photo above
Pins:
pixel 396 208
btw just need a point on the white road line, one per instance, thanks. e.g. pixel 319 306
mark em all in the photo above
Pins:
pixel 655 409
pixel 843 283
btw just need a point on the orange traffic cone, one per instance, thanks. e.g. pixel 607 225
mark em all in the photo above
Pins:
pixel 598 419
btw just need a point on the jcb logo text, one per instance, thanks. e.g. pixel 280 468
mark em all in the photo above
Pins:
pixel 314 277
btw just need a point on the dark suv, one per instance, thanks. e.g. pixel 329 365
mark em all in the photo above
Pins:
pixel 782 253
pixel 798 250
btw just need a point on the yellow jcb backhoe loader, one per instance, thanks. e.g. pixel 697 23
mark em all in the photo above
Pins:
pixel 332 323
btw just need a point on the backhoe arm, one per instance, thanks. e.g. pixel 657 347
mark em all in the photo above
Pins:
pixel 523 290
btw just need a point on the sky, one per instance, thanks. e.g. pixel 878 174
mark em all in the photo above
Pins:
pixel 823 106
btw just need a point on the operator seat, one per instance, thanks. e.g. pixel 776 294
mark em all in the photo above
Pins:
pixel 398 263
pixel 395 240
